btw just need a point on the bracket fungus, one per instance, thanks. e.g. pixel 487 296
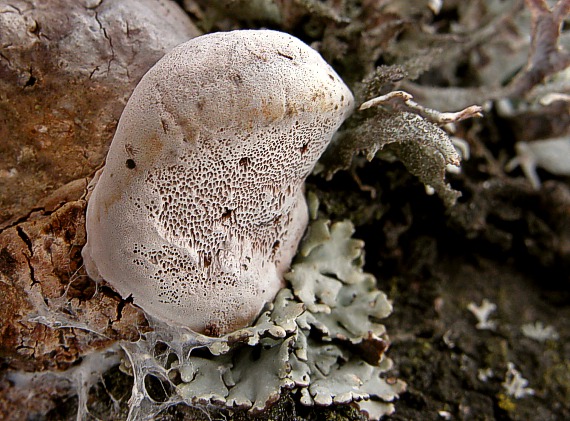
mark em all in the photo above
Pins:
pixel 200 208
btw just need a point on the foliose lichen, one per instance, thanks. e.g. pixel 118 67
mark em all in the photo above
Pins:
pixel 321 339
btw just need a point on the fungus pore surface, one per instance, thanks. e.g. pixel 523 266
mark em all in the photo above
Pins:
pixel 200 208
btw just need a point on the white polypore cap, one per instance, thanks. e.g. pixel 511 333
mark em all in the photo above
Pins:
pixel 200 207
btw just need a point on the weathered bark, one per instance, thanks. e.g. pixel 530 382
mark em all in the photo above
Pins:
pixel 66 71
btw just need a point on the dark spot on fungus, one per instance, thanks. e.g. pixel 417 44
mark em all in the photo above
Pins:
pixel 207 260
pixel 244 162
pixel 236 78
pixel 164 125
pixel 212 329
pixel 129 149
pixel 275 246
pixel 227 213
pixel 284 55
pixel 130 163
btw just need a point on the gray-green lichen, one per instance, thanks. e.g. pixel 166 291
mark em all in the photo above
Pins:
pixel 396 127
pixel 321 339
pixel 423 147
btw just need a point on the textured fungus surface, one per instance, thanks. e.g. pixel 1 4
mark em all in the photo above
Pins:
pixel 200 206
